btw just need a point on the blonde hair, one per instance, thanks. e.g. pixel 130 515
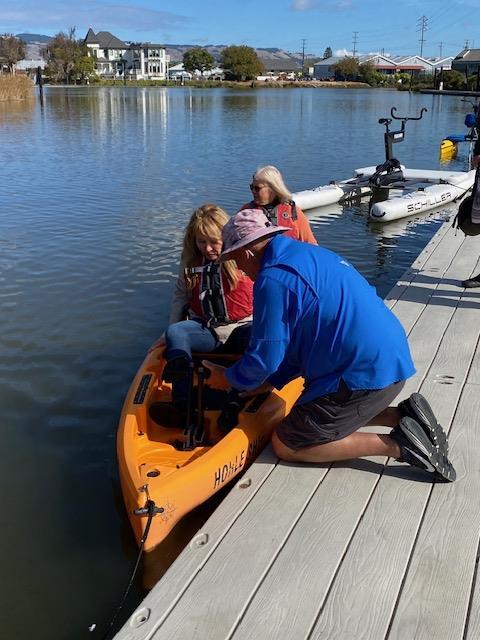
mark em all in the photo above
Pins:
pixel 208 220
pixel 273 178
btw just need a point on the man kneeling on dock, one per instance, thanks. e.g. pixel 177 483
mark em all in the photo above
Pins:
pixel 315 316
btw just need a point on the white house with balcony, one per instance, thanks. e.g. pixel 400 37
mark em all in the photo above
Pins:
pixel 134 61
pixel 107 51
pixel 146 61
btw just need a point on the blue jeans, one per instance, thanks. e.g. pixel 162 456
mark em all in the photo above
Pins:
pixel 181 339
pixel 186 336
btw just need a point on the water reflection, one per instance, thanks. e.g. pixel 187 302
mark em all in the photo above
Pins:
pixel 389 245
pixel 16 111
pixel 407 226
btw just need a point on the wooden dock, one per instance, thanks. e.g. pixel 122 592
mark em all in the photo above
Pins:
pixel 368 549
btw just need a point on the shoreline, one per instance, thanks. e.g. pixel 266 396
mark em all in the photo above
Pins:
pixel 311 84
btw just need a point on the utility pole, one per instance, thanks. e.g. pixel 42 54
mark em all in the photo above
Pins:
pixel 440 44
pixel 303 56
pixel 422 24
pixel 355 34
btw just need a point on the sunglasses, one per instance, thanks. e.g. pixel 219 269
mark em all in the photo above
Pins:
pixel 256 187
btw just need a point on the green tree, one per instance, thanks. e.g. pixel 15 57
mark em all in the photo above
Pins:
pixel 12 50
pixel 198 59
pixel 327 53
pixel 66 58
pixel 453 79
pixel 347 69
pixel 241 63
pixel 84 65
pixel 368 74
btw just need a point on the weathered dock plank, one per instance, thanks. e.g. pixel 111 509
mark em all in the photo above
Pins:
pixel 376 564
pixel 310 558
pixel 280 502
pixel 436 595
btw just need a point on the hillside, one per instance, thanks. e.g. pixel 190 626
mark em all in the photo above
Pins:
pixel 37 41
pixel 176 51
pixel 33 38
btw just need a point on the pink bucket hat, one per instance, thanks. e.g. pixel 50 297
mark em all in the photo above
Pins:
pixel 246 227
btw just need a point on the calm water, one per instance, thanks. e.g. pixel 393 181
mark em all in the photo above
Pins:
pixel 96 187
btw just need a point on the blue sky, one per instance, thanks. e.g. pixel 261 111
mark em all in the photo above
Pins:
pixel 377 25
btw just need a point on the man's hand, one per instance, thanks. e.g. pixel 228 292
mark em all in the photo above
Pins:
pixel 263 388
pixel 217 379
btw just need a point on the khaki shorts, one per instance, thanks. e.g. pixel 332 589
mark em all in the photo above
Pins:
pixel 334 416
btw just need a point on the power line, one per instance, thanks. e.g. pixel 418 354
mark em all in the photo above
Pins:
pixel 355 34
pixel 303 55
pixel 422 22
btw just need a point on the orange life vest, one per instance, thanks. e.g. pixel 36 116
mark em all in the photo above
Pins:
pixel 287 214
pixel 284 214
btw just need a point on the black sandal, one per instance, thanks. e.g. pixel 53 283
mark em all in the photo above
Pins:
pixel 417 450
pixel 418 408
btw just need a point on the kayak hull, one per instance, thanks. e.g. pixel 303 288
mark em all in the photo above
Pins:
pixel 154 466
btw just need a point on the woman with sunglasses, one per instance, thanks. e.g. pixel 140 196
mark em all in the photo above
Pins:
pixel 271 195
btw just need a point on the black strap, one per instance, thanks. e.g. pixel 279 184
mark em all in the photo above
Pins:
pixel 213 303
pixel 294 209
pixel 271 213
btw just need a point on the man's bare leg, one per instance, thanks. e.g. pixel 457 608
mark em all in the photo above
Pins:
pixel 356 445
pixel 389 417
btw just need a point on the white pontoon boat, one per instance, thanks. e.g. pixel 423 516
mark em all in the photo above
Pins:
pixel 394 191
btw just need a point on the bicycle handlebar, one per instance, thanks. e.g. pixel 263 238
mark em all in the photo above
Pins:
pixel 405 118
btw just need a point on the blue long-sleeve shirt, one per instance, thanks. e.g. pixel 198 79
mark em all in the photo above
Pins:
pixel 315 316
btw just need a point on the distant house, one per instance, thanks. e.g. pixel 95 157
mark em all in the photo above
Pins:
pixel 135 61
pixel 146 61
pixel 325 69
pixel 405 64
pixel 381 64
pixel 30 66
pixel 442 63
pixel 216 73
pixel 387 65
pixel 34 57
pixel 280 68
pixel 417 64
pixel 177 72
pixel 107 51
pixel 467 61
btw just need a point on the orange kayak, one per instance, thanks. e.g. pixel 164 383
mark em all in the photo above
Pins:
pixel 166 469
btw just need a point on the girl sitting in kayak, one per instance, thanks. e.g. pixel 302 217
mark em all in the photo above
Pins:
pixel 216 299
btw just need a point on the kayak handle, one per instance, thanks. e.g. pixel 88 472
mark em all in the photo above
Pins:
pixel 149 508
